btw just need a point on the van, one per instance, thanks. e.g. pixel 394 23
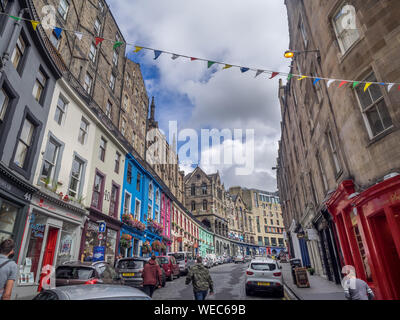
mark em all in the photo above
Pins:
pixel 184 259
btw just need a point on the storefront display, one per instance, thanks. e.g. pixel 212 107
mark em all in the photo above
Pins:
pixel 91 240
pixel 67 243
pixel 8 214
pixel 111 243
pixel 30 265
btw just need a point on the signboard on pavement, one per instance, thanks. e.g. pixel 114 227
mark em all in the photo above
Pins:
pixel 98 253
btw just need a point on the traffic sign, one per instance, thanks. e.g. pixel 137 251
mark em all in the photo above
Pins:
pixel 102 226
pixel 100 236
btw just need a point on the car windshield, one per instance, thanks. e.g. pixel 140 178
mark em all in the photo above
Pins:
pixel 179 256
pixel 162 260
pixel 263 266
pixel 130 264
pixel 74 272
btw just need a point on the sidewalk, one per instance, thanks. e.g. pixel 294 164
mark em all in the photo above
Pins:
pixel 320 289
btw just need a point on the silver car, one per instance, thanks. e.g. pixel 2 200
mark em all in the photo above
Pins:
pixel 93 292
pixel 264 275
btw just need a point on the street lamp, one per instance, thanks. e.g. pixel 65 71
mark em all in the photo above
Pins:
pixel 289 54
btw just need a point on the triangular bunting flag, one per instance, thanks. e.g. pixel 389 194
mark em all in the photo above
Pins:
pixel 78 35
pixel 316 80
pixel 355 83
pixel 57 32
pixel 210 63
pixel 367 85
pixel 137 49
pixel 117 44
pixel 175 56
pixel 274 74
pixel 244 69
pixel 258 73
pixel 157 54
pixel 302 77
pixel 34 24
pixel 227 66
pixel 15 18
pixel 330 82
pixel 390 86
pixel 98 40
pixel 290 76
pixel 342 83
pixel 192 59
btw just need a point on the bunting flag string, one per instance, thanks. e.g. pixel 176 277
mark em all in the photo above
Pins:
pixel 58 31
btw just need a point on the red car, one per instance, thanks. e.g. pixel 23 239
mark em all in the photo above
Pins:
pixel 170 266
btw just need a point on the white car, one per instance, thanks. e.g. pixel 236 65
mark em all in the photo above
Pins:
pixel 238 259
pixel 264 276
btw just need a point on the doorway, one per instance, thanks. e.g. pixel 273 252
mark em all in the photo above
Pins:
pixel 390 257
pixel 49 254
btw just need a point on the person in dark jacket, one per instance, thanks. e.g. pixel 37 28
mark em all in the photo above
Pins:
pixel 200 276
pixel 151 276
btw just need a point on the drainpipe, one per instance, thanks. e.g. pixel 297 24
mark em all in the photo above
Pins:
pixel 6 54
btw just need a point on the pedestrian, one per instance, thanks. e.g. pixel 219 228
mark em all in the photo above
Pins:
pixel 201 279
pixel 151 276
pixel 356 289
pixel 8 269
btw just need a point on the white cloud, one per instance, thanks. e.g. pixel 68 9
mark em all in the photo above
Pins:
pixel 250 33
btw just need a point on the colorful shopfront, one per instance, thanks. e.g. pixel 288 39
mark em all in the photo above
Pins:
pixel 144 212
pixel 368 227
pixel 52 236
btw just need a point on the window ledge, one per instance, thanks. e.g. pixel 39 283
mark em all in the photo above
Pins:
pixel 382 135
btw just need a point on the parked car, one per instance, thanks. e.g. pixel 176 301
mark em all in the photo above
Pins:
pixel 207 262
pixel 78 273
pixel 185 260
pixel 170 266
pixel 212 258
pixel 247 258
pixel 92 292
pixel 264 276
pixel 130 270
pixel 238 259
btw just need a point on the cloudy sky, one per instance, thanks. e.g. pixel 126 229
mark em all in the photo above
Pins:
pixel 251 33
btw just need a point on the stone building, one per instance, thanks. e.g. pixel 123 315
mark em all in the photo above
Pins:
pixel 162 156
pixel 101 72
pixel 204 197
pixel 339 148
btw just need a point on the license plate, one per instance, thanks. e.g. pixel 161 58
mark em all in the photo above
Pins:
pixel 128 274
pixel 263 283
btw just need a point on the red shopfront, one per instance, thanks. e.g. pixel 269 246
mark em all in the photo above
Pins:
pixel 368 226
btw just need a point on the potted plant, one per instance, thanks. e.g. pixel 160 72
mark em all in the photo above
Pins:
pixel 311 271
pixel 156 246
pixel 146 248
pixel 124 243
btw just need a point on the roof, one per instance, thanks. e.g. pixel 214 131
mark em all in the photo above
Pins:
pixel 99 291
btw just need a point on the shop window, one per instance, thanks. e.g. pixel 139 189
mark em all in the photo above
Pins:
pixel 111 243
pixel 8 215
pixel 29 270
pixel 361 248
pixel 67 243
pixel 91 240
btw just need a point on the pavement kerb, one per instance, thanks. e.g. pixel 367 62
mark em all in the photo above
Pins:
pixel 290 293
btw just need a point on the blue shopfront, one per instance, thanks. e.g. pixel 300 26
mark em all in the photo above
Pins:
pixel 140 210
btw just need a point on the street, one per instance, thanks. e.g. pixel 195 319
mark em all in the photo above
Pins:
pixel 228 285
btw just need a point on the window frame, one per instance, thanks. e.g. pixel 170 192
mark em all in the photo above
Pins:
pixel 22 60
pixel 63 14
pixel 129 208
pixel 137 215
pixel 102 151
pixel 43 85
pixel 85 133
pixel 114 186
pixel 61 112
pixel 138 180
pixel 81 180
pixel 88 87
pixel 101 192
pixel 117 162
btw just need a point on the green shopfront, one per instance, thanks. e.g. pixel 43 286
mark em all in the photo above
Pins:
pixel 206 242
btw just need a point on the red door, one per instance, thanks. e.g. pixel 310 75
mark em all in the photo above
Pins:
pixel 388 253
pixel 49 253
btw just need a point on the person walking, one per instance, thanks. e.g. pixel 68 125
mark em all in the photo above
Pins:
pixel 151 276
pixel 356 289
pixel 8 269
pixel 201 279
